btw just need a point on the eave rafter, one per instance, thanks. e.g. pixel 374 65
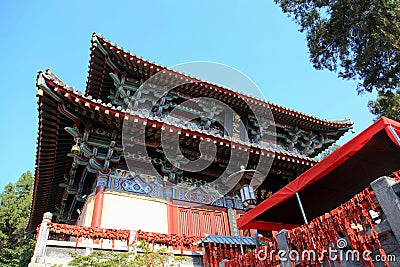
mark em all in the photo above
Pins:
pixel 143 69
pixel 116 116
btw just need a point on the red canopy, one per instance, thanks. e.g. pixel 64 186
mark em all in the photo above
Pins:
pixel 338 177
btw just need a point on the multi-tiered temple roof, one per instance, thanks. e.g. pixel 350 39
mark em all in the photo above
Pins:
pixel 107 57
pixel 96 117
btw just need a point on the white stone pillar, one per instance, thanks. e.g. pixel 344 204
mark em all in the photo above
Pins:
pixel 40 248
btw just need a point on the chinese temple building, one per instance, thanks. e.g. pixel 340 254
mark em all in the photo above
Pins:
pixel 92 173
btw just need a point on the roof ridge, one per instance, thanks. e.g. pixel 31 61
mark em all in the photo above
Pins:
pixel 96 36
pixel 48 74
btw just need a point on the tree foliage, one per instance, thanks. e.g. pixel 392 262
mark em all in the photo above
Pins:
pixel 387 104
pixel 15 202
pixel 147 257
pixel 102 258
pixel 359 39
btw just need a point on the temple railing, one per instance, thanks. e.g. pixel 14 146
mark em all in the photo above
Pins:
pixel 78 233
pixel 363 231
pixel 56 243
pixel 83 234
pixel 58 238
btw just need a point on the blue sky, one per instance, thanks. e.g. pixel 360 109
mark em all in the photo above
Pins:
pixel 254 37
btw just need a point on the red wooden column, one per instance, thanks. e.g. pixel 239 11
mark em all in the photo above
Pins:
pixel 101 186
pixel 172 218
